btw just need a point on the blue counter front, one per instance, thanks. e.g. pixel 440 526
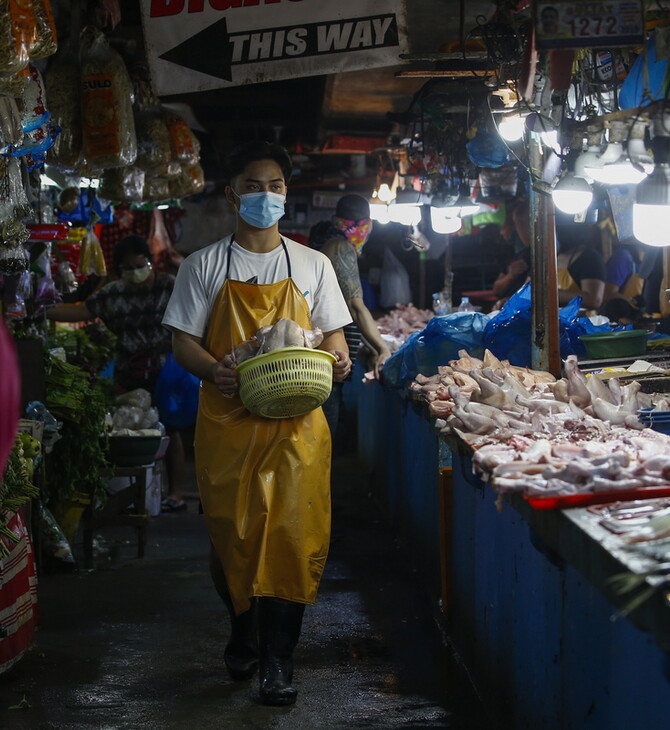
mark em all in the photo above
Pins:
pixel 529 607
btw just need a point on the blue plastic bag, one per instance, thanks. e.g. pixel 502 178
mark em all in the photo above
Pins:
pixel 435 345
pixel 176 395
pixel 508 334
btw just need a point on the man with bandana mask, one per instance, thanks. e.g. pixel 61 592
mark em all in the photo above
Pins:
pixel 264 483
pixel 342 240
pixel 132 307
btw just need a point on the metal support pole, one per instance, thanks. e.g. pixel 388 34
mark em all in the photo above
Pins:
pixel 545 346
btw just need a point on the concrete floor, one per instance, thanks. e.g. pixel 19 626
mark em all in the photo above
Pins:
pixel 138 643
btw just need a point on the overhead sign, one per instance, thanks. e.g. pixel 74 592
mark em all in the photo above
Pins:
pixel 196 45
pixel 586 24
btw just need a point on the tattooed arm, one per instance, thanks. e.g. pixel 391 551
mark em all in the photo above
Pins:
pixel 345 262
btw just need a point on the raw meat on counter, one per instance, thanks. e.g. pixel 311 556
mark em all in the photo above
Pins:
pixel 283 333
pixel 531 433
pixel 396 326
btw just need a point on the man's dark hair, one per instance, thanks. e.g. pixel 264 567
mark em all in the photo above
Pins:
pixel 353 207
pixel 255 151
pixel 133 245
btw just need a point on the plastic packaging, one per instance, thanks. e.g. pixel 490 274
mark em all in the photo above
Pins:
pixel 17 34
pixel 138 398
pixel 91 257
pixel 190 181
pixel 11 132
pixel 184 144
pixel 63 83
pixel 435 345
pixel 46 42
pixel 465 305
pixel 122 184
pixel 107 96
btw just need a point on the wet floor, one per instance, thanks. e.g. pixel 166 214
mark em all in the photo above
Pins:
pixel 139 643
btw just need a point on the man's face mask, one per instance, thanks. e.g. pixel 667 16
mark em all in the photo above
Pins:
pixel 357 232
pixel 261 210
pixel 136 276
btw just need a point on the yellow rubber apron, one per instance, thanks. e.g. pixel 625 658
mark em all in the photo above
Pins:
pixel 264 483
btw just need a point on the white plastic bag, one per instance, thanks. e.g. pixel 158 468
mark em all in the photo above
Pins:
pixel 395 287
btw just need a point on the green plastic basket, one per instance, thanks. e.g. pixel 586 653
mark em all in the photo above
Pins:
pixel 285 383
pixel 623 343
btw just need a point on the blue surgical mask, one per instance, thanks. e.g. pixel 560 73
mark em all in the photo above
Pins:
pixel 261 210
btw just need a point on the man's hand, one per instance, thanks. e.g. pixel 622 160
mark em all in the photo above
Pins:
pixel 342 367
pixel 378 361
pixel 225 376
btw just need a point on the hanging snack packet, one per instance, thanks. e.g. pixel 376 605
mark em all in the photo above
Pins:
pixel 107 96
pixel 45 42
pixel 184 144
pixel 17 34
pixel 63 84
pixel 35 111
pixel 122 184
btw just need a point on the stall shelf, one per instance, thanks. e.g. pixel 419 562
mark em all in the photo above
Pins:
pixel 529 608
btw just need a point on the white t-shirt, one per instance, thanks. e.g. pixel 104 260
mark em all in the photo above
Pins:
pixel 202 274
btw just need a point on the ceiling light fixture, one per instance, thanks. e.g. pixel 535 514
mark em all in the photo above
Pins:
pixel 651 210
pixel 572 194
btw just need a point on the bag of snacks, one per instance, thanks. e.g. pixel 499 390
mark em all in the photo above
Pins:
pixel 17 35
pixel 107 111
pixel 45 42
pixel 63 84
pixel 122 184
pixel 184 144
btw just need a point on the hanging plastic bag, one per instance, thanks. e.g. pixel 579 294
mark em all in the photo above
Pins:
pixel 18 291
pixel 45 43
pixel 176 395
pixel 17 35
pixel 184 144
pixel 63 84
pixel 122 184
pixel 107 111
pixel 395 287
pixel 190 181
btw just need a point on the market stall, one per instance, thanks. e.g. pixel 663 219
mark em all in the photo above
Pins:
pixel 541 530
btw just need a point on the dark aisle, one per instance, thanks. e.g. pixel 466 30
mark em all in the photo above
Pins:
pixel 139 643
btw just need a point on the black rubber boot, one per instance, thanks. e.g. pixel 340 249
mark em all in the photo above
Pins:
pixel 279 624
pixel 241 652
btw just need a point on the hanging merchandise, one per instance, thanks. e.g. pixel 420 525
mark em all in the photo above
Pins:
pixel 17 33
pixel 17 290
pixel 156 189
pixel 190 181
pixel 91 258
pixel 46 294
pixel 85 207
pixel 185 145
pixel 487 150
pixel 34 101
pixel 63 83
pixel 107 96
pixel 13 200
pixel 46 42
pixel 11 132
pixel 122 185
pixel 154 152
pixel 646 80
pixel 163 253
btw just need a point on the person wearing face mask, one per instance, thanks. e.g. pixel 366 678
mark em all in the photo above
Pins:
pixel 264 483
pixel 342 240
pixel 132 307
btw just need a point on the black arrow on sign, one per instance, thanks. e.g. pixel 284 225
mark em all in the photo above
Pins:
pixel 209 52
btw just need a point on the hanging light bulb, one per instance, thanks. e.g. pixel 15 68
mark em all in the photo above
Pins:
pixel 572 194
pixel 385 194
pixel 512 127
pixel 444 223
pixel 406 209
pixel 651 210
pixel 379 211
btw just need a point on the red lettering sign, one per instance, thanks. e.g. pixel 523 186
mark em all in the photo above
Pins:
pixel 163 8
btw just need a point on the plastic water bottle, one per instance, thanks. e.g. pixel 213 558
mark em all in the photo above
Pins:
pixel 439 305
pixel 465 305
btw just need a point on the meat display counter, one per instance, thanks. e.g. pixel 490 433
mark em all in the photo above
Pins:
pixel 526 593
